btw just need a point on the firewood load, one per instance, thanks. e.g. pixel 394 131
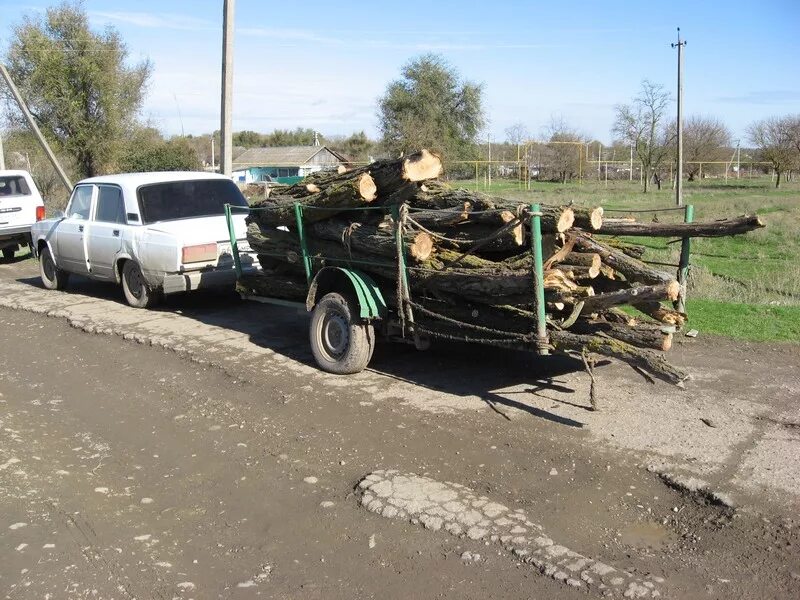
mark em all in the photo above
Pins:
pixel 469 260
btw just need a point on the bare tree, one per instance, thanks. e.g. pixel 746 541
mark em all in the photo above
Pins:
pixel 705 139
pixel 643 125
pixel 775 139
pixel 564 148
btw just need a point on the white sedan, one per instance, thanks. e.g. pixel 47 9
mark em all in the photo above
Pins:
pixel 155 233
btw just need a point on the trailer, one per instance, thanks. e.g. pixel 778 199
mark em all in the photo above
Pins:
pixel 349 308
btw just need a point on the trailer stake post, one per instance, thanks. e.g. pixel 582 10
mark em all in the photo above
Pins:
pixel 237 262
pixel 542 343
pixel 298 215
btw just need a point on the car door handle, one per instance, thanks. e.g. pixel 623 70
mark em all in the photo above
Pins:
pixel 115 233
pixel 80 228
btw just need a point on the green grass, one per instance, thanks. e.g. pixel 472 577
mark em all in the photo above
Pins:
pixel 746 286
pixel 755 322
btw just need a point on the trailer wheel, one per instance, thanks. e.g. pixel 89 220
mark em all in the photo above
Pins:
pixel 339 342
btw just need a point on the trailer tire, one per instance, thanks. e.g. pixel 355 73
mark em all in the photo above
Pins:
pixel 340 343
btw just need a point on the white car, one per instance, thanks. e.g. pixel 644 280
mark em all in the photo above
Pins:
pixel 155 233
pixel 20 207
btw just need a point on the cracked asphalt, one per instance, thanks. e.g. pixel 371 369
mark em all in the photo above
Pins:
pixel 196 452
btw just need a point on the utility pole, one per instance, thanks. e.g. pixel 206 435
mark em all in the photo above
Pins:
pixel 35 128
pixel 679 187
pixel 2 155
pixel 225 131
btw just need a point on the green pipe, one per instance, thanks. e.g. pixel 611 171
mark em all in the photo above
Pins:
pixel 237 263
pixel 683 264
pixel 538 278
pixel 298 215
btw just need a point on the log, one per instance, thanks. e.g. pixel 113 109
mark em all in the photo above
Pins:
pixel 555 219
pixel 645 293
pixel 632 250
pixel 583 259
pixel 273 285
pixel 280 210
pixel 580 272
pixel 372 239
pixel 721 228
pixel 634 270
pixel 643 336
pixel 588 218
pixel 648 360
pixel 485 239
pixel 662 313
pixel 320 180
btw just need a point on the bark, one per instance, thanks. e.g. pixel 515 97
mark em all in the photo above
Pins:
pixel 725 227
pixel 273 285
pixel 662 313
pixel 632 250
pixel 280 210
pixel 583 259
pixel 646 293
pixel 644 336
pixel 588 218
pixel 580 272
pixel 634 270
pixel 647 360
pixel 372 239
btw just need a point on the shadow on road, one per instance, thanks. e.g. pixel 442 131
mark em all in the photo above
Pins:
pixel 454 368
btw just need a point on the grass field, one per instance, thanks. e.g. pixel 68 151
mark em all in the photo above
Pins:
pixel 745 286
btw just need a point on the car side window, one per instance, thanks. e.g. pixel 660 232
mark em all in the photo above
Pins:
pixel 110 205
pixel 81 204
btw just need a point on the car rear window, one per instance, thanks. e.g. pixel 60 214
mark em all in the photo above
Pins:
pixel 14 185
pixel 187 199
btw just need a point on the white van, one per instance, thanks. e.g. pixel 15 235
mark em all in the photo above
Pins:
pixel 21 206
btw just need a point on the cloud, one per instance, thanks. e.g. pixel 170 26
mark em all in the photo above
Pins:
pixel 154 20
pixel 284 34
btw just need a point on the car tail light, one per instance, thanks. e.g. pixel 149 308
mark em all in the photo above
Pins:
pixel 40 213
pixel 199 253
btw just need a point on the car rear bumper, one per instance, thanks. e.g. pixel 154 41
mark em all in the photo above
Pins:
pixel 200 280
pixel 13 231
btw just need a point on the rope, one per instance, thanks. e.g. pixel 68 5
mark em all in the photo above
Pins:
pixel 347 236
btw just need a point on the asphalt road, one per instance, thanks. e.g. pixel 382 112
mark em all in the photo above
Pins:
pixel 195 452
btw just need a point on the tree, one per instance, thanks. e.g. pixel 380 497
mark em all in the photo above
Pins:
pixel 148 151
pixel 776 143
pixel 565 145
pixel 643 125
pixel 77 84
pixel 357 146
pixel 430 106
pixel 705 139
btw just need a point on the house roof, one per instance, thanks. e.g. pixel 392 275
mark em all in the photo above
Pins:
pixel 290 156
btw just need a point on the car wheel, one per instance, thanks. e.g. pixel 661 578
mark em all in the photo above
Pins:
pixel 339 342
pixel 8 253
pixel 53 278
pixel 137 293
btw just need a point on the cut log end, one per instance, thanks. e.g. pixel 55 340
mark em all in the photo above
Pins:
pixel 421 247
pixel 312 188
pixel 566 220
pixel 341 169
pixel 367 188
pixel 596 218
pixel 421 166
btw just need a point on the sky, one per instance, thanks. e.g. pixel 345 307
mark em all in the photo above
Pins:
pixel 324 64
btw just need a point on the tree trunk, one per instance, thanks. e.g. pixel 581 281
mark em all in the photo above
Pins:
pixel 645 293
pixel 371 239
pixel 662 313
pixel 273 285
pixel 721 228
pixel 644 336
pixel 588 218
pixel 647 360
pixel 634 270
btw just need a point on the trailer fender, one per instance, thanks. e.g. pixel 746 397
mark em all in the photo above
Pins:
pixel 338 279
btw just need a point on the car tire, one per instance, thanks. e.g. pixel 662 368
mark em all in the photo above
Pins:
pixel 8 253
pixel 339 342
pixel 53 278
pixel 137 293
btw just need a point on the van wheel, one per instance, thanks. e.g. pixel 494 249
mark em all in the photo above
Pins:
pixel 339 342
pixel 137 293
pixel 53 278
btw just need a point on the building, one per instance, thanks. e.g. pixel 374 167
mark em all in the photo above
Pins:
pixel 284 164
